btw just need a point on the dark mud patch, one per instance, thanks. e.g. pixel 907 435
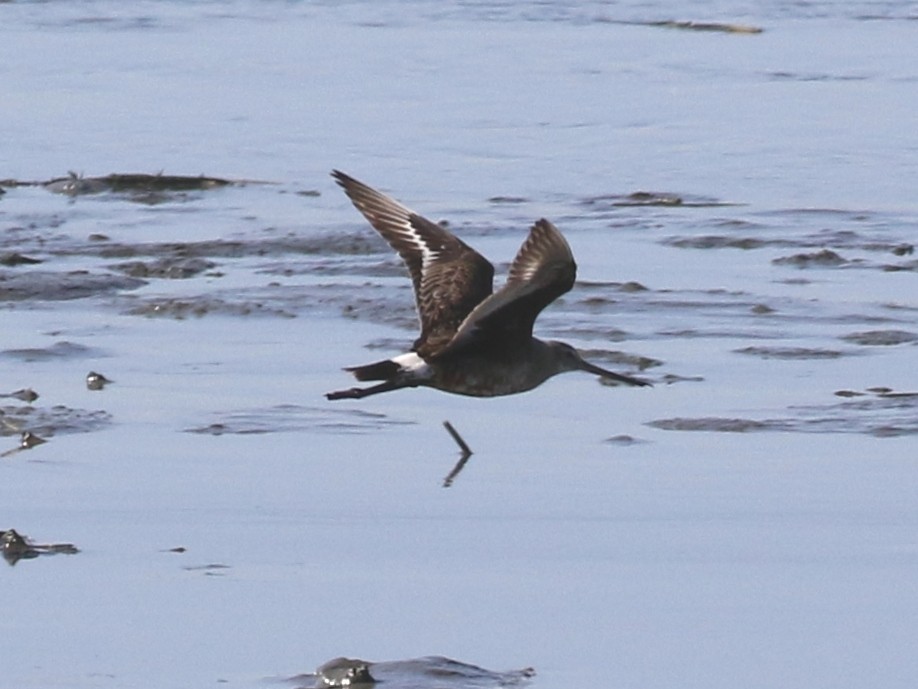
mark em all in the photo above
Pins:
pixel 606 290
pixel 781 75
pixel 265 246
pixel 200 306
pixel 113 267
pixel 59 350
pixel 652 198
pixel 881 338
pixel 431 672
pixel 751 316
pixel 703 27
pixel 716 334
pixel 294 418
pixel 899 267
pixel 335 267
pixel 828 245
pixel 51 421
pixel 713 241
pixel 12 259
pixel 393 306
pixel 213 569
pixel 508 200
pixel 136 187
pixel 717 424
pixel 819 259
pixel 624 440
pixel 45 285
pixel 170 268
pixel 879 412
pixel 792 353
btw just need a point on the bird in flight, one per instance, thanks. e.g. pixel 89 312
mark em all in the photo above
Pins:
pixel 473 341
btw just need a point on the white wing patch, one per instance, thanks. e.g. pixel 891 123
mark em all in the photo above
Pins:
pixel 412 364
pixel 428 256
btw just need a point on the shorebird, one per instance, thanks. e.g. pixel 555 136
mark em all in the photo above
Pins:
pixel 473 341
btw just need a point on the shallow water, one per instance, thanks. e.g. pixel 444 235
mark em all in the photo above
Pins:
pixel 742 211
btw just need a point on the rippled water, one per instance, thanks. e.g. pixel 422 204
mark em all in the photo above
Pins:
pixel 742 210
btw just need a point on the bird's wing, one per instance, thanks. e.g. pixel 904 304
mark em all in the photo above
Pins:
pixel 450 278
pixel 542 271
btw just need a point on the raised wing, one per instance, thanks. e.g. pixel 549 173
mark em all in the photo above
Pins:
pixel 542 271
pixel 450 278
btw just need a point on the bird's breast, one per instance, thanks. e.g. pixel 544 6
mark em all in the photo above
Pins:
pixel 483 378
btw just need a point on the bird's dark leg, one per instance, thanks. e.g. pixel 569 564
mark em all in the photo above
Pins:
pixel 359 393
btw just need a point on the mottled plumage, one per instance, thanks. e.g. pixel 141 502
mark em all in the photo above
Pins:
pixel 473 341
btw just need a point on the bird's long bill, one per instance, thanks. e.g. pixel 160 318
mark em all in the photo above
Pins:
pixel 599 371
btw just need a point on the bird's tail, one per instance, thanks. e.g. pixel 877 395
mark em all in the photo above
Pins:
pixel 381 370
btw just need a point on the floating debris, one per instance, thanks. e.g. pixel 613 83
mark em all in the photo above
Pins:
pixel 25 394
pixel 16 547
pixel 27 440
pixel 654 198
pixel 431 671
pixel 96 381
pixel 75 184
pixel 343 672
pixel 708 26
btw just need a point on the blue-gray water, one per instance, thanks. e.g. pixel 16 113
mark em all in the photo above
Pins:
pixel 741 524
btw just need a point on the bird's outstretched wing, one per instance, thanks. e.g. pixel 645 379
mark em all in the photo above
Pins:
pixel 450 278
pixel 542 271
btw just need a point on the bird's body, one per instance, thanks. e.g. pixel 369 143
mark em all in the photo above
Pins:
pixel 473 341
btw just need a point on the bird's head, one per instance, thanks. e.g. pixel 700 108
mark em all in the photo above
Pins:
pixel 566 358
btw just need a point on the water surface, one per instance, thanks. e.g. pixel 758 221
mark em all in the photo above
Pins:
pixel 742 211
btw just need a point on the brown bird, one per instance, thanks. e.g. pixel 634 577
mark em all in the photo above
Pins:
pixel 473 341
